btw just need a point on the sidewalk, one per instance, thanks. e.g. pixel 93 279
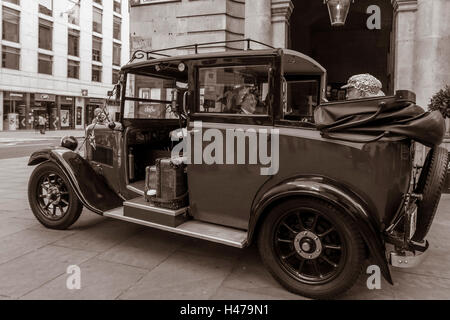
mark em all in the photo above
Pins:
pixel 30 135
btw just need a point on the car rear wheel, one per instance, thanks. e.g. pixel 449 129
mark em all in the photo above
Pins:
pixel 311 248
pixel 430 185
pixel 51 198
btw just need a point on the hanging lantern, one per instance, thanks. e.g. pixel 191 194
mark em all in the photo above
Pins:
pixel 338 11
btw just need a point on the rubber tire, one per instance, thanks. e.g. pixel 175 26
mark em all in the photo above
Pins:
pixel 75 206
pixel 355 250
pixel 430 185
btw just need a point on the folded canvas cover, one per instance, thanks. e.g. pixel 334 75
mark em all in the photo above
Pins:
pixel 380 117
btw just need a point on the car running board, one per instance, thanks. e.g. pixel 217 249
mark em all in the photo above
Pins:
pixel 191 228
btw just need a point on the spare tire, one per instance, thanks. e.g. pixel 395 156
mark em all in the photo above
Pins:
pixel 430 185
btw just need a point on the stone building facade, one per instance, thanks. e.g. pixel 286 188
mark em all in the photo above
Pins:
pixel 59 59
pixel 410 50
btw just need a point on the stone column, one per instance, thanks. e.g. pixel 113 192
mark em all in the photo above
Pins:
pixel 404 43
pixel 258 21
pixel 431 67
pixel 281 12
pixel 1 110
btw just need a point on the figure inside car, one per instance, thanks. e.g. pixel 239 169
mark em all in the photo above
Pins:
pixel 363 86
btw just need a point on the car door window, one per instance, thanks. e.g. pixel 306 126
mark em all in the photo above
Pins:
pixel 234 90
pixel 300 97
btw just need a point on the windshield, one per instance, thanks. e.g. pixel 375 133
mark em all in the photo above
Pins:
pixel 150 97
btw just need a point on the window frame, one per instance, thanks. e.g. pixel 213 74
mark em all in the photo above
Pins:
pixel 100 11
pixel 51 63
pixel 74 33
pixel 253 119
pixel 15 13
pixel 45 11
pixel 116 45
pixel 74 63
pixel 43 23
pixel 99 40
pixel 4 50
pixel 115 19
pixel 100 69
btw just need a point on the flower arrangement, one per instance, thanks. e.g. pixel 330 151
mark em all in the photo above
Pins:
pixel 440 101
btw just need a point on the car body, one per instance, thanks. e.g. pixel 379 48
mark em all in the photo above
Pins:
pixel 356 189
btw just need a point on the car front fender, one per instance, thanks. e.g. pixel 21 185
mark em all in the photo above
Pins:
pixel 90 187
pixel 335 194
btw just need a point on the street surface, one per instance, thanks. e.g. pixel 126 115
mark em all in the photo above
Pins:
pixel 119 260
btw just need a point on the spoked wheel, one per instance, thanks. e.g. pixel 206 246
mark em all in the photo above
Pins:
pixel 311 248
pixel 51 197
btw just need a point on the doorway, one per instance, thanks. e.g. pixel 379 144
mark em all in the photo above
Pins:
pixel 348 50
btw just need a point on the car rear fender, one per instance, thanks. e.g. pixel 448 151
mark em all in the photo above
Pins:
pixel 90 187
pixel 324 189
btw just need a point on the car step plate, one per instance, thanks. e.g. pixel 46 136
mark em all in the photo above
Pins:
pixel 192 228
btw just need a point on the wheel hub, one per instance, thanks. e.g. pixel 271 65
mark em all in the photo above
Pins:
pixel 308 245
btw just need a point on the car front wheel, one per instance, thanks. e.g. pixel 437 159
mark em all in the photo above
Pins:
pixel 311 248
pixel 51 198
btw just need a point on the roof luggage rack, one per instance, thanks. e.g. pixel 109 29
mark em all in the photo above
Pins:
pixel 139 54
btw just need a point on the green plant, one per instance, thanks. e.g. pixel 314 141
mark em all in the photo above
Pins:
pixel 441 101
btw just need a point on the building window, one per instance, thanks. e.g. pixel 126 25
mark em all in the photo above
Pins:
pixel 117 6
pixel 73 14
pixel 98 1
pixel 97 20
pixel 14 1
pixel 96 49
pixel 11 22
pixel 116 54
pixel 96 73
pixel 73 69
pixel 115 76
pixel 46 7
pixel 45 64
pixel 74 42
pixel 45 34
pixel 117 23
pixel 10 57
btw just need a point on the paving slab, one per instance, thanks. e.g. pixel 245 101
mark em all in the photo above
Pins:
pixel 25 241
pixel 100 236
pixel 10 225
pixel 30 271
pixel 145 250
pixel 100 280
pixel 181 276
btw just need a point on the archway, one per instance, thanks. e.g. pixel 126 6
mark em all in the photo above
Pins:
pixel 348 50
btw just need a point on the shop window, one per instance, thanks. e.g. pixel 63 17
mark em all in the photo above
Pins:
pixel 10 24
pixel 45 64
pixel 73 69
pixel 116 54
pixel 45 34
pixel 17 2
pixel 73 14
pixel 117 23
pixel 74 42
pixel 96 49
pixel 97 20
pixel 115 76
pixel 46 7
pixel 96 73
pixel 117 6
pixel 10 57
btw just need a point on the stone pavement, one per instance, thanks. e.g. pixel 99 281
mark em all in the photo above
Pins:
pixel 119 260
pixel 30 135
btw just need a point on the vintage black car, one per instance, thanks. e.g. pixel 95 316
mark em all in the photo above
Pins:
pixel 225 147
